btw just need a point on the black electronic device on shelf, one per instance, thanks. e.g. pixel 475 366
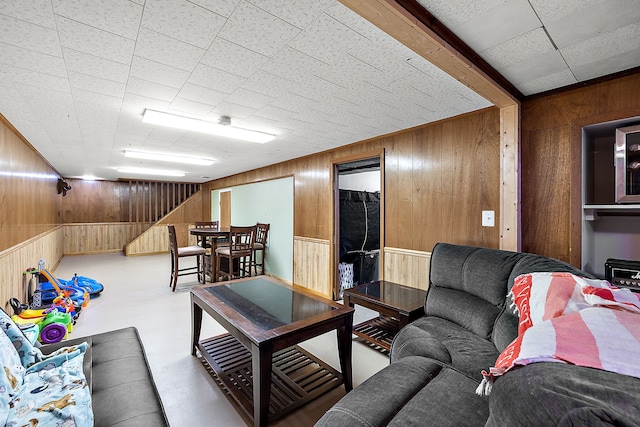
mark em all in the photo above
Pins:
pixel 623 273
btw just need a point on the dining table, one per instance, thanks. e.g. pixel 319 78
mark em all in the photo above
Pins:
pixel 211 236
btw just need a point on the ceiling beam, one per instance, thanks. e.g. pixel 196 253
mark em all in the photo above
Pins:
pixel 421 32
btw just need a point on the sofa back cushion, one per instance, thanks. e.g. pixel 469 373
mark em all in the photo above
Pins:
pixel 468 285
pixel 506 325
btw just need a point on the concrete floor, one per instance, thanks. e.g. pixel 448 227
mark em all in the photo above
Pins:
pixel 137 294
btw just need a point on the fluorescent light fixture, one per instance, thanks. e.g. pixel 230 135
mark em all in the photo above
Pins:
pixel 167 158
pixel 196 125
pixel 144 171
pixel 88 178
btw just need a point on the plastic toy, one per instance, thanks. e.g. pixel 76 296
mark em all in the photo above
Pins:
pixel 53 325
pixel 82 288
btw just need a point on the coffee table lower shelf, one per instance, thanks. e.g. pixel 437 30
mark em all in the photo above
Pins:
pixel 378 332
pixel 297 376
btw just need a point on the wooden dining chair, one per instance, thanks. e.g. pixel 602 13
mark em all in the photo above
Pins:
pixel 238 254
pixel 262 232
pixel 183 252
pixel 202 241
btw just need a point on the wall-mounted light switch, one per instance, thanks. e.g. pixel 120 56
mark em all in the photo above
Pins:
pixel 488 218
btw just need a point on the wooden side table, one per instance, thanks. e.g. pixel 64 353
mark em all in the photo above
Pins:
pixel 398 305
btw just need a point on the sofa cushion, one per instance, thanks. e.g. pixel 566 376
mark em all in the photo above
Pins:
pixel 123 390
pixel 551 394
pixel 416 389
pixel 468 285
pixel 446 342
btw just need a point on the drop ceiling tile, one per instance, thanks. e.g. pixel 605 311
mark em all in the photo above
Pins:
pixel 151 90
pixel 233 58
pixel 145 69
pixel 625 39
pixel 547 82
pixel 593 22
pixel 550 63
pixel 32 60
pixel 326 39
pixel 95 66
pixel 166 50
pixel 294 65
pixel 182 20
pixel 93 41
pixel 96 84
pixel 298 16
pixel 221 7
pixel 201 94
pixel 38 12
pixel 37 79
pixel 519 49
pixel 498 25
pixel 249 98
pixel 551 10
pixel 257 30
pixel 456 12
pixel 235 111
pixel 91 97
pixel 29 36
pixel 190 108
pixel 215 79
pixel 120 17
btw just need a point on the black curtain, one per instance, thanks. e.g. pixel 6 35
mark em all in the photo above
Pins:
pixel 359 221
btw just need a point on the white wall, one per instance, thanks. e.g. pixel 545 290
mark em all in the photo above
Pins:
pixel 362 181
pixel 269 202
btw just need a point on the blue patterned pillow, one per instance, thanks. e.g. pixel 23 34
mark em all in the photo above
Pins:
pixel 41 390
pixel 28 353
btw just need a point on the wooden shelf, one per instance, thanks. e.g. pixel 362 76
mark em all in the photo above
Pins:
pixel 297 376
pixel 378 332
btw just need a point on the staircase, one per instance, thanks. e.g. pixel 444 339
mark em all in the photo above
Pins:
pixel 151 201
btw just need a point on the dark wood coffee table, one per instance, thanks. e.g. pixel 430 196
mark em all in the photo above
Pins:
pixel 263 375
pixel 398 305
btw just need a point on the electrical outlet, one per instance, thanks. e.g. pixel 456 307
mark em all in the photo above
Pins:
pixel 488 218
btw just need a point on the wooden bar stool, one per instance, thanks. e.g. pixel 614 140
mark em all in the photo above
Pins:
pixel 238 254
pixel 262 232
pixel 187 251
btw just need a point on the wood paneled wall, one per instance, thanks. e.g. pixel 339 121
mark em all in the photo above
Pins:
pixel 83 238
pixel 438 179
pixel 411 268
pixel 311 258
pixel 551 161
pixel 156 238
pixel 30 212
pixel 29 201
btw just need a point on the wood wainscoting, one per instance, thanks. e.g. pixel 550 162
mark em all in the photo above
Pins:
pixel 17 259
pixel 311 263
pixel 407 267
pixel 83 239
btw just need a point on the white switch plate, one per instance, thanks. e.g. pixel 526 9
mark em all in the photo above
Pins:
pixel 488 218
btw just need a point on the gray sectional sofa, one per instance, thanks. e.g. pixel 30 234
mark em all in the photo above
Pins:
pixel 436 361
pixel 123 392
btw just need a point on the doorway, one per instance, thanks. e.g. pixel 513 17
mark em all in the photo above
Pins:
pixel 225 209
pixel 358 222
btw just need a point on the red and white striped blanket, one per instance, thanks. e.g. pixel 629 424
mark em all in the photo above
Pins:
pixel 569 319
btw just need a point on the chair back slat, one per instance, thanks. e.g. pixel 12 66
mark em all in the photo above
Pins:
pixel 241 239
pixel 206 224
pixel 262 231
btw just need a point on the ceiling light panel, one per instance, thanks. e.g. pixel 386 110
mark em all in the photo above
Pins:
pixel 145 171
pixel 167 158
pixel 196 125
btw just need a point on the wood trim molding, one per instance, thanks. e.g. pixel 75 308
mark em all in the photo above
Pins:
pixel 416 33
pixel 510 178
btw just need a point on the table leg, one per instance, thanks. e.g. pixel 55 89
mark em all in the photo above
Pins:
pixel 196 325
pixel 261 360
pixel 344 351
pixel 214 260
